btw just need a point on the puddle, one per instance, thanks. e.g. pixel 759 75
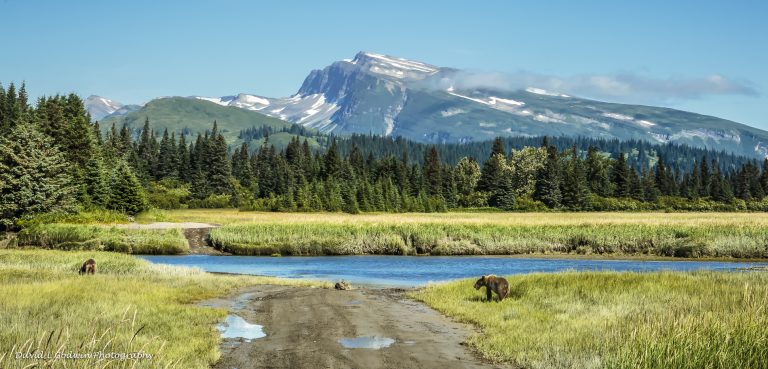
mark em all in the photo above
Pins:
pixel 237 327
pixel 355 302
pixel 409 342
pixel 241 301
pixel 368 342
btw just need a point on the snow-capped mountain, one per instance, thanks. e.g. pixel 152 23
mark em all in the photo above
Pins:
pixel 380 94
pixel 100 107
pixel 362 95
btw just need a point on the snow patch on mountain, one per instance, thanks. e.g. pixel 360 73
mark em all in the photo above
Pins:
pixel 585 120
pixel 451 112
pixel 497 103
pixel 215 100
pixel 618 116
pixel 393 67
pixel 539 91
pixel 706 134
pixel 549 117
pixel 627 118
pixel 310 110
pixel 100 107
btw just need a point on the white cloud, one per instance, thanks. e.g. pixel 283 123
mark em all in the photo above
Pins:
pixel 629 87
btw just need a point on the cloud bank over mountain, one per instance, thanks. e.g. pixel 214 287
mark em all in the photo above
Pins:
pixel 620 87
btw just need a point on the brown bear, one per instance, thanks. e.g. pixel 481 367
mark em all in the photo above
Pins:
pixel 493 283
pixel 89 267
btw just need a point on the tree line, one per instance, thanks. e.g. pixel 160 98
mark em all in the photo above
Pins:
pixel 52 158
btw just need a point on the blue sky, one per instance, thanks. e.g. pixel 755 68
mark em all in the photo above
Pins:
pixel 704 56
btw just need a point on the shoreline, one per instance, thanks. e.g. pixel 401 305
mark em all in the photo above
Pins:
pixel 600 257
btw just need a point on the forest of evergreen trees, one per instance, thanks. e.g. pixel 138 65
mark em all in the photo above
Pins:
pixel 53 159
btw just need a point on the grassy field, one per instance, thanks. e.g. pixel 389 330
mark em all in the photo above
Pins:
pixel 100 238
pixel 233 216
pixel 695 235
pixel 129 306
pixel 617 320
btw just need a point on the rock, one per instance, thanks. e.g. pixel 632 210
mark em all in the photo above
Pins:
pixel 343 286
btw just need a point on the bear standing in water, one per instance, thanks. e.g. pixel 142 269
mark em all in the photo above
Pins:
pixel 89 267
pixel 493 283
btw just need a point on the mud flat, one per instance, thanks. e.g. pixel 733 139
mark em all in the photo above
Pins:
pixel 361 328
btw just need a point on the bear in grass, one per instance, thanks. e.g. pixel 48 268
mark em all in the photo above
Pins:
pixel 89 267
pixel 493 283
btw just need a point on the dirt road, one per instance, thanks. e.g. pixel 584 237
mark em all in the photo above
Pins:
pixel 196 234
pixel 303 327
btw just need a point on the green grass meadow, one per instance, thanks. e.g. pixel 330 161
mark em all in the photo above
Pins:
pixel 130 305
pixel 327 238
pixel 616 320
pixel 104 238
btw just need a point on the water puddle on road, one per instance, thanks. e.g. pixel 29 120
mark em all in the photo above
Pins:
pixel 236 327
pixel 367 342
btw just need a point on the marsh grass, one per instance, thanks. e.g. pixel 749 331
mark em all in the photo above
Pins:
pixel 454 237
pixel 130 305
pixel 233 216
pixel 617 320
pixel 103 238
pixel 92 216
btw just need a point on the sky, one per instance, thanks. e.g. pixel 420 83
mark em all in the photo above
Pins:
pixel 708 57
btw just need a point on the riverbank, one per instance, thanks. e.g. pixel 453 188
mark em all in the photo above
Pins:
pixel 130 305
pixel 616 320
pixel 680 235
pixel 324 238
pixel 709 236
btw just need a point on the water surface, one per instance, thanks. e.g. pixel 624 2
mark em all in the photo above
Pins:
pixel 410 271
pixel 367 342
pixel 236 327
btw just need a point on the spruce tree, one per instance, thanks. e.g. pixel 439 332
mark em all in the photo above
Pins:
pixel 146 153
pixel 97 182
pixel 597 173
pixel 433 172
pixel 547 188
pixel 574 188
pixel 650 192
pixel 218 166
pixel 620 177
pixel 764 176
pixel 663 178
pixel 34 176
pixel 167 165
pixel 241 166
pixel 498 147
pixel 126 194
pixel 706 178
pixel 635 185
pixel 182 159
pixel 332 161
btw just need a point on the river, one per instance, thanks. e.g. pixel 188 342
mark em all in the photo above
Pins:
pixel 412 271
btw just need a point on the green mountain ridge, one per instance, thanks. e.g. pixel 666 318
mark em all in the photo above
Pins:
pixel 193 116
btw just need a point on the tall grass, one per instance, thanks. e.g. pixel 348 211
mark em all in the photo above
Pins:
pixel 617 320
pixel 128 306
pixel 91 216
pixel 100 238
pixel 233 216
pixel 472 238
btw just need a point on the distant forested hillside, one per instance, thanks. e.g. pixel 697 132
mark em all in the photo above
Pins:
pixel 52 159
